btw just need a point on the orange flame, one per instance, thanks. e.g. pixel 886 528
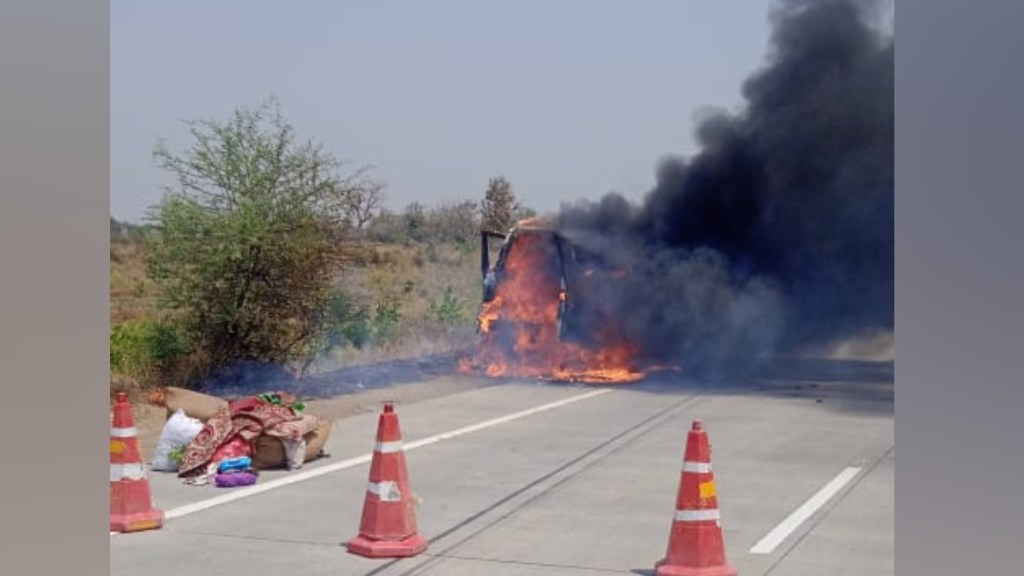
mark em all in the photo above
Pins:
pixel 519 327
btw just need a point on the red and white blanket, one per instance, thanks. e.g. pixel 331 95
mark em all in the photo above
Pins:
pixel 232 429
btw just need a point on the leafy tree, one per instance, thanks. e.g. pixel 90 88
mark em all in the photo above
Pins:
pixel 126 231
pixel 523 212
pixel 362 203
pixel 457 222
pixel 415 217
pixel 250 237
pixel 499 206
pixel 386 226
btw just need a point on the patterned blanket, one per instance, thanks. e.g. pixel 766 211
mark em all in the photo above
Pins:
pixel 244 419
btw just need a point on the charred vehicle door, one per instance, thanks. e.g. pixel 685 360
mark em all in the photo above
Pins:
pixel 572 268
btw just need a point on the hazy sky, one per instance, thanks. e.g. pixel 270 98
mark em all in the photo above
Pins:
pixel 567 99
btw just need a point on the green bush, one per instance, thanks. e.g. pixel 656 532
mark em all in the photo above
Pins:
pixel 250 239
pixel 348 322
pixel 386 321
pixel 449 310
pixel 144 348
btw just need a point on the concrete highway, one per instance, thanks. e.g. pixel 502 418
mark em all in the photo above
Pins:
pixel 542 479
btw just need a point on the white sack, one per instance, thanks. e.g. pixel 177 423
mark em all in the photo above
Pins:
pixel 178 432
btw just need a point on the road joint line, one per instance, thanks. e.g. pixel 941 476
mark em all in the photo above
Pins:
pixel 443 556
pixel 544 486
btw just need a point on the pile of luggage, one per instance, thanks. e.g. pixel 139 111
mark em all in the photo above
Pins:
pixel 194 418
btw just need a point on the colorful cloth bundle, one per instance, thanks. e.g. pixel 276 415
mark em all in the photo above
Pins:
pixel 234 472
pixel 233 479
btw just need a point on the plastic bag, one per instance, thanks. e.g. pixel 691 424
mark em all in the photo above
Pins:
pixel 178 433
pixel 232 479
pixel 234 464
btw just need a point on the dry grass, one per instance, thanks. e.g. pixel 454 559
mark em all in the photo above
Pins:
pixel 415 275
pixel 132 294
pixel 412 275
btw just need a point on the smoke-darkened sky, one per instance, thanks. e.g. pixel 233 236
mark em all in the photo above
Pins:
pixel 778 233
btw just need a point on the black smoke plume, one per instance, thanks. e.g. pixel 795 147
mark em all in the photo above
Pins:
pixel 778 234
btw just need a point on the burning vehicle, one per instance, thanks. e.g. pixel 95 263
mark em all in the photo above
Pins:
pixel 749 249
pixel 542 313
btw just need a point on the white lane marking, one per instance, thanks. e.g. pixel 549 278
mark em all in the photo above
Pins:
pixel 778 534
pixel 255 489
pixel 697 515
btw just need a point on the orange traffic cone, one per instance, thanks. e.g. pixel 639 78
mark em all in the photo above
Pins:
pixel 131 503
pixel 695 546
pixel 388 526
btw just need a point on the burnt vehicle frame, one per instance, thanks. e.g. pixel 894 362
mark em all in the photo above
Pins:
pixel 577 270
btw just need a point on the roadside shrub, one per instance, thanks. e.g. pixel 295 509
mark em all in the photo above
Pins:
pixel 145 349
pixel 386 321
pixel 251 237
pixel 449 309
pixel 348 322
